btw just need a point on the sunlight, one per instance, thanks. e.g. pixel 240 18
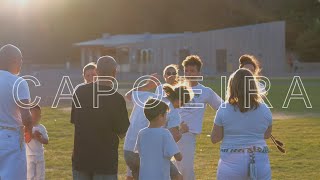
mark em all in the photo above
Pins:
pixel 21 2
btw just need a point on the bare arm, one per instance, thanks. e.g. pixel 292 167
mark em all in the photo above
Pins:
pixel 178 131
pixel 216 134
pixel 25 114
pixel 44 141
pixel 175 133
pixel 38 136
pixel 26 119
pixel 267 134
pixel 151 84
pixel 178 156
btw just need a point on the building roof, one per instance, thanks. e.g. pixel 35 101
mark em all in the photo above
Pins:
pixel 124 39
pixel 118 40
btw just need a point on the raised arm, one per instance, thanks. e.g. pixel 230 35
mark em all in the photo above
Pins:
pixel 151 84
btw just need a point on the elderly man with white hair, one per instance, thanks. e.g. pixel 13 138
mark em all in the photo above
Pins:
pixel 15 120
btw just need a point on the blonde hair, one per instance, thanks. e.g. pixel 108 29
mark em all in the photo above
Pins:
pixel 242 91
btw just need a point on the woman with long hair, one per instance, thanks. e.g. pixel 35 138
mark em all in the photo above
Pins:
pixel 170 76
pixel 251 63
pixel 243 123
pixel 175 97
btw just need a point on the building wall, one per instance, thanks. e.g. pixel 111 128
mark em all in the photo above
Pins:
pixel 265 41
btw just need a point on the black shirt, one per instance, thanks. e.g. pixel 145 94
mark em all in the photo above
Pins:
pixel 96 138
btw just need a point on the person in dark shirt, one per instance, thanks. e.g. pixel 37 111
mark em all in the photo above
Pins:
pixel 99 123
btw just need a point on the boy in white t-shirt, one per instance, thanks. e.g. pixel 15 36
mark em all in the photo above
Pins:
pixel 35 150
pixel 155 144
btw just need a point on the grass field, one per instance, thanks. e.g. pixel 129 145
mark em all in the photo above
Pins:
pixel 300 132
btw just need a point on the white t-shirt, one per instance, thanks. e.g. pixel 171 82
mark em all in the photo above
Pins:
pixel 192 114
pixel 156 147
pixel 34 147
pixel 139 121
pixel 10 115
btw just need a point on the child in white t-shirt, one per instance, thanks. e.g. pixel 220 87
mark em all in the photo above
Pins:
pixel 155 144
pixel 35 150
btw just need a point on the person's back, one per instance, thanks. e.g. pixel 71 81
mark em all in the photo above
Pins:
pixel 10 114
pixel 155 153
pixel 100 121
pixel 15 120
pixel 97 129
pixel 243 129
pixel 243 123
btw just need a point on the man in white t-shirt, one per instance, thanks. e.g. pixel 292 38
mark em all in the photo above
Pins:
pixel 192 114
pixel 14 92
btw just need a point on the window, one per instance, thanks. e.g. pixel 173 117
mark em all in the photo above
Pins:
pixel 144 56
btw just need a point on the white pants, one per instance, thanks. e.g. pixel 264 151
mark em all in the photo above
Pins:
pixel 36 167
pixel 235 166
pixel 13 163
pixel 187 147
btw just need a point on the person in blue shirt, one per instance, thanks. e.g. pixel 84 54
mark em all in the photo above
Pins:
pixel 243 123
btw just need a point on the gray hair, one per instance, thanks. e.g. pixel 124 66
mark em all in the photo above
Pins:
pixel 106 65
pixel 8 54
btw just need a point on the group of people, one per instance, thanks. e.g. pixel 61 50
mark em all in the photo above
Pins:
pixel 161 133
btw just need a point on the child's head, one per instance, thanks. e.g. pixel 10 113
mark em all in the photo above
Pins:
pixel 89 71
pixel 36 114
pixel 156 111
pixel 178 95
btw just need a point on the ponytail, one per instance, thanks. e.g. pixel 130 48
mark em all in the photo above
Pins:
pixel 178 93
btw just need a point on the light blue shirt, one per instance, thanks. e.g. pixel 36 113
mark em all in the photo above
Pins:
pixel 243 129
pixel 9 110
pixel 156 147
pixel 139 121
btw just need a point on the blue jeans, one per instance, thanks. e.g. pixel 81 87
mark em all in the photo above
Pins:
pixel 78 175
pixel 13 163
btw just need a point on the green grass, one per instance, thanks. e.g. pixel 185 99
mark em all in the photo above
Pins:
pixel 301 136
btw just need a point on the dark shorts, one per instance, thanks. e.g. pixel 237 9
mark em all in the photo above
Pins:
pixel 133 162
